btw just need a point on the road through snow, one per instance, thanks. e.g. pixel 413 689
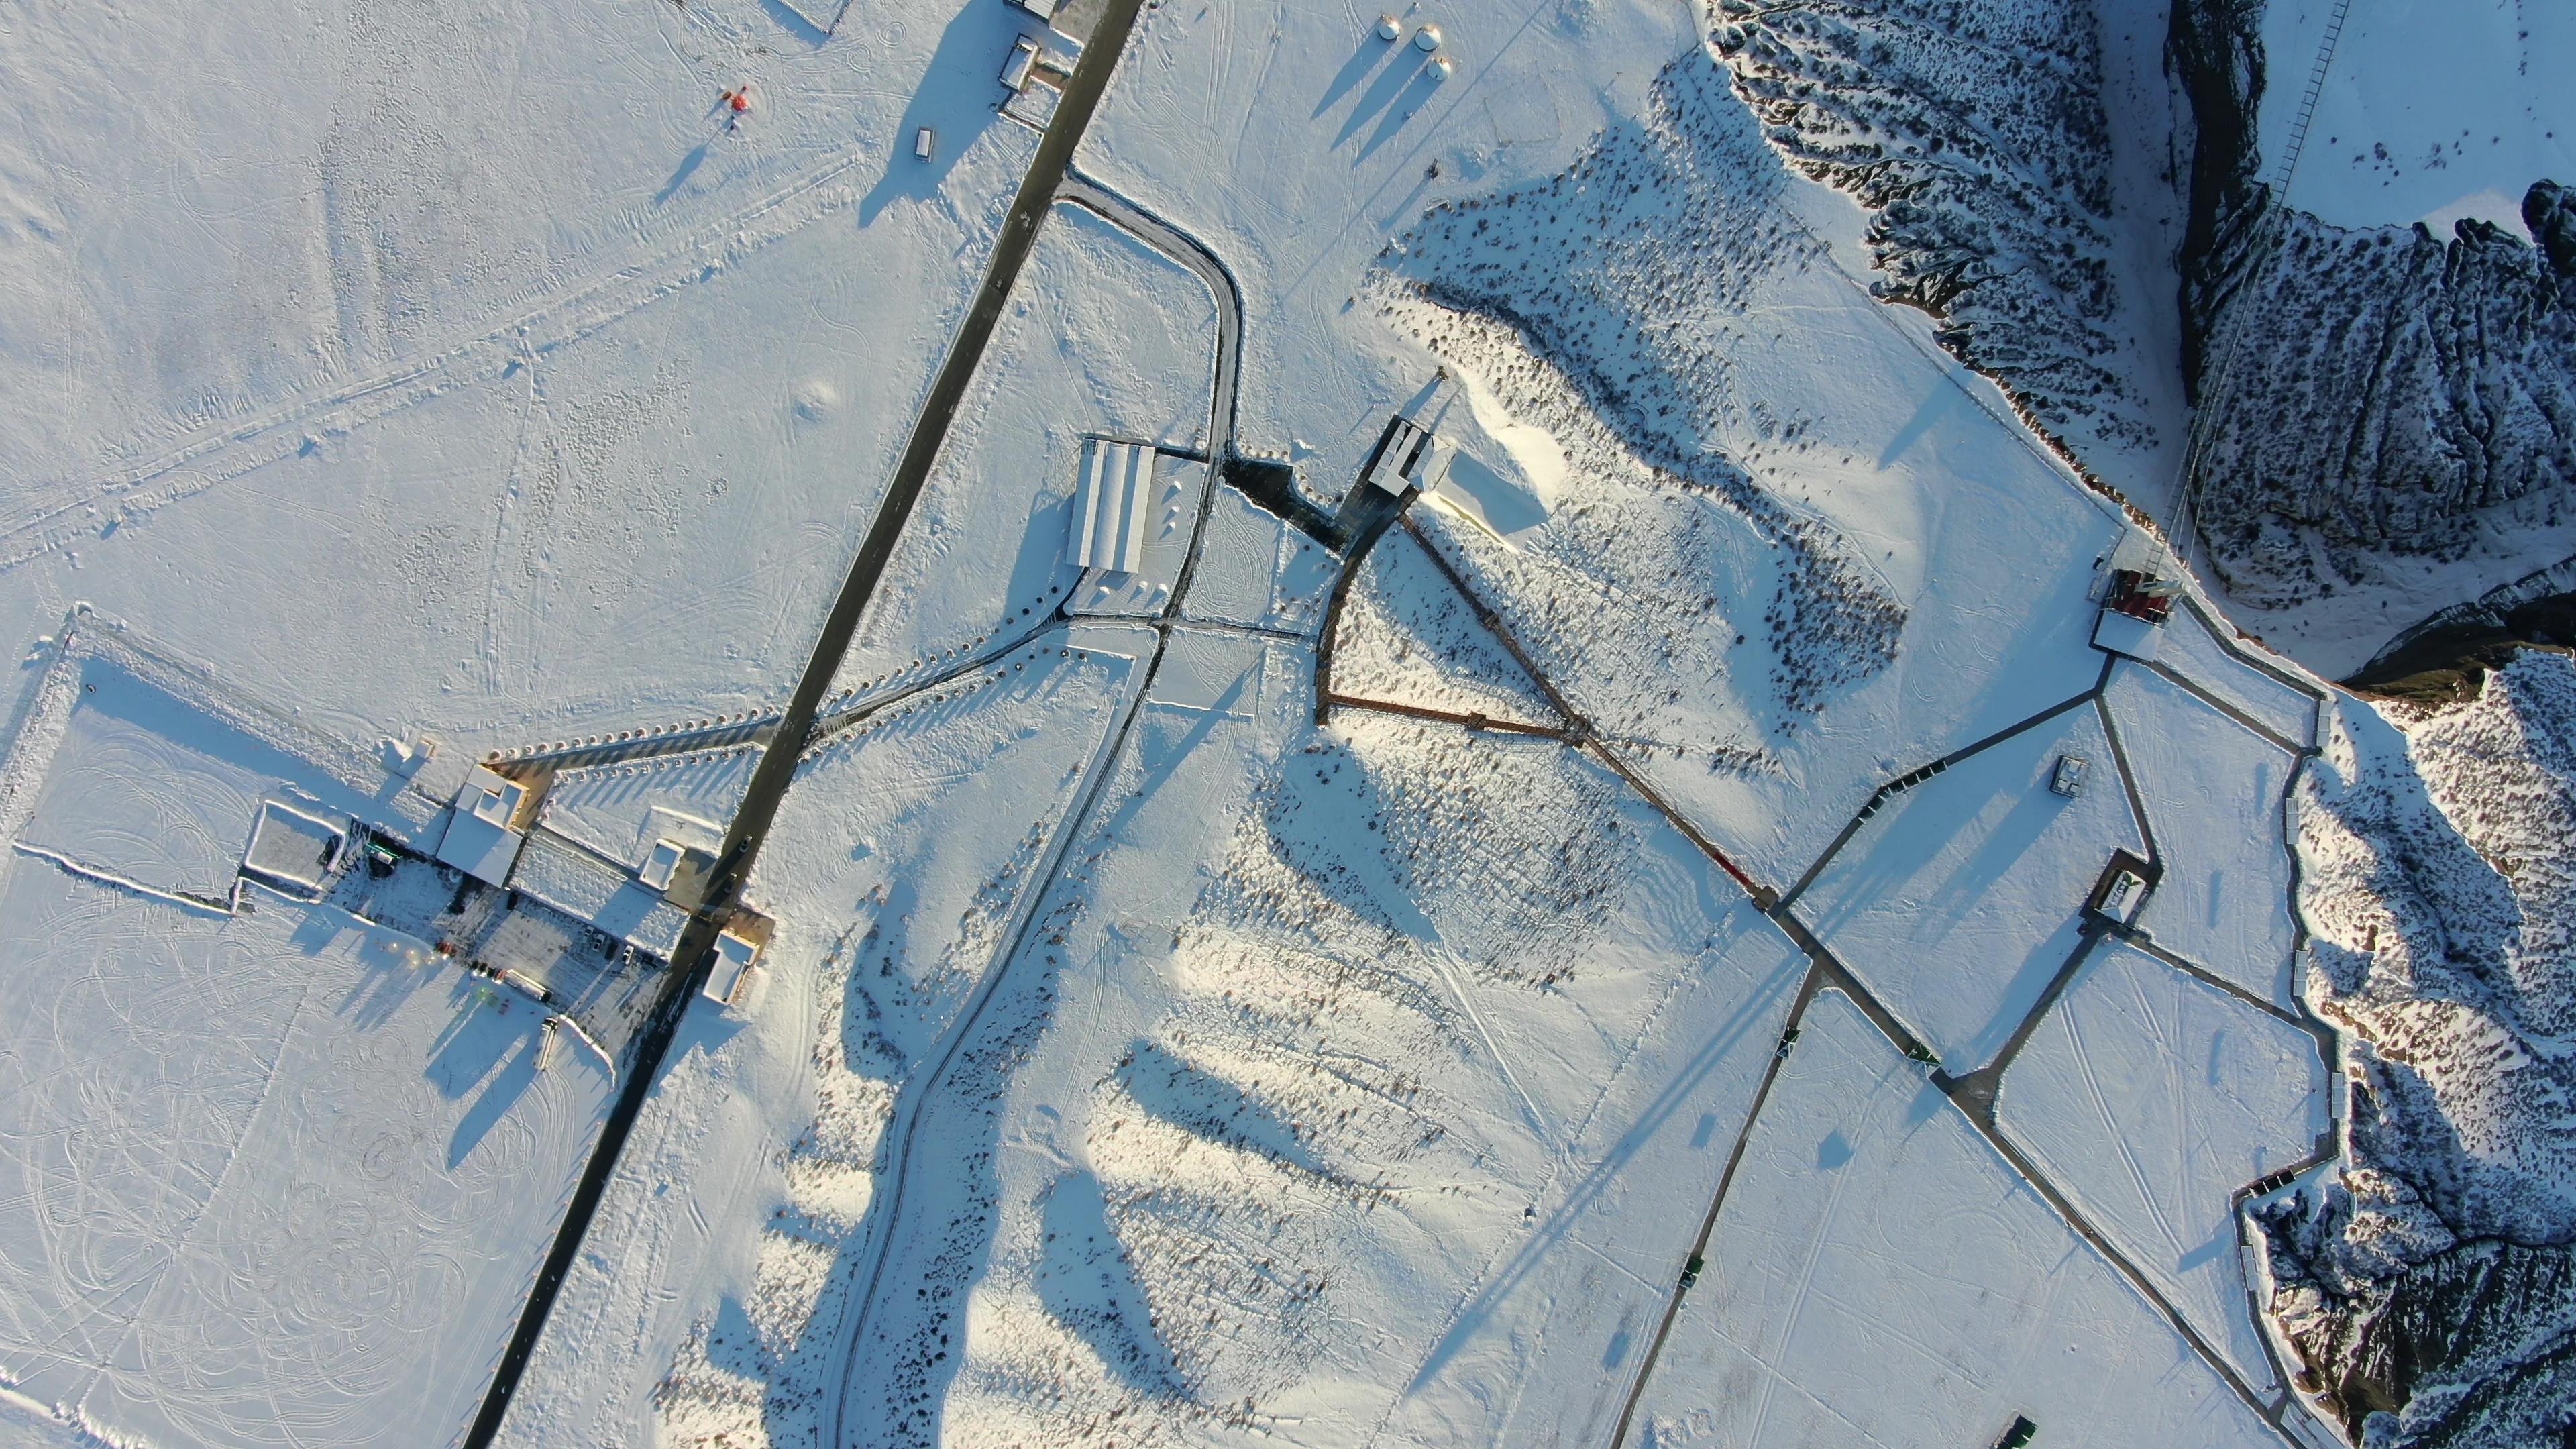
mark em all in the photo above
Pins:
pixel 694 956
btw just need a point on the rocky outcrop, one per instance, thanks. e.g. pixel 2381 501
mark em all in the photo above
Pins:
pixel 1975 136
pixel 2376 393
pixel 2427 1289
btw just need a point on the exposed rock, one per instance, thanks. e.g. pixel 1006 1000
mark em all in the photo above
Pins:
pixel 1975 135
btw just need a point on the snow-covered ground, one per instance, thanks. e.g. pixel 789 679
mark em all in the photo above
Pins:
pixel 2428 112
pixel 463 373
pixel 1963 897
pixel 1881 1277
pixel 1108 339
pixel 1139 1055
pixel 273 1175
pixel 713 1297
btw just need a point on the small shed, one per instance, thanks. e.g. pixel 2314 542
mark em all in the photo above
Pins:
pixel 2121 891
pixel 736 954
pixel 1016 68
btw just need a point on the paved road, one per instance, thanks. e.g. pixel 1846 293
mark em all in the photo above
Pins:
pixel 693 957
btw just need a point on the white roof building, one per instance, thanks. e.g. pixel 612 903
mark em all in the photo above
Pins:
pixel 1023 57
pixel 490 821
pixel 1414 458
pixel 661 863
pixel 558 872
pixel 1112 510
pixel 735 956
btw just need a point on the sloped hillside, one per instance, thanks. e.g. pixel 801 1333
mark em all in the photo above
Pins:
pixel 2431 1284
pixel 1977 138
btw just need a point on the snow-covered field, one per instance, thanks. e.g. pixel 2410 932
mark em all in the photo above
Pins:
pixel 471 377
pixel 1884 1279
pixel 1506 1045
pixel 274 1175
pixel 1962 898
pixel 2475 119
pixel 2153 1097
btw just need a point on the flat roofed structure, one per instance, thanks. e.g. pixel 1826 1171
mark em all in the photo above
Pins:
pixel 1113 507
pixel 489 823
pixel 661 863
pixel 735 956
pixel 559 873
pixel 1386 470
pixel 2127 634
pixel 1015 68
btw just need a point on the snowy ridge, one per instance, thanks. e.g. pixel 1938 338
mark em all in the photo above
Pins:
pixel 1721 559
pixel 2440 375
pixel 887 993
pixel 2428 1282
pixel 1976 137
pixel 1564 313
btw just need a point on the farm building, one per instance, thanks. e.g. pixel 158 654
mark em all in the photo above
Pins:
pixel 489 823
pixel 1413 458
pixel 738 949
pixel 1112 511
pixel 582 885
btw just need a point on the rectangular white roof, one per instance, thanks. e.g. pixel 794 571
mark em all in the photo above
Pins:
pixel 1112 509
pixel 553 870
pixel 479 848
pixel 2121 634
pixel 734 958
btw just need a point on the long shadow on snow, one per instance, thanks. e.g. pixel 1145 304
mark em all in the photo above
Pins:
pixel 1585 1195
pixel 1090 1287
pixel 1189 1096
pixel 1372 53
pixel 1383 92
pixel 950 101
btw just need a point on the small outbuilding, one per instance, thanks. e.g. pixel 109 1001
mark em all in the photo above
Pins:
pixel 1414 459
pixel 2121 891
pixel 735 957
pixel 1023 59
pixel 2068 778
